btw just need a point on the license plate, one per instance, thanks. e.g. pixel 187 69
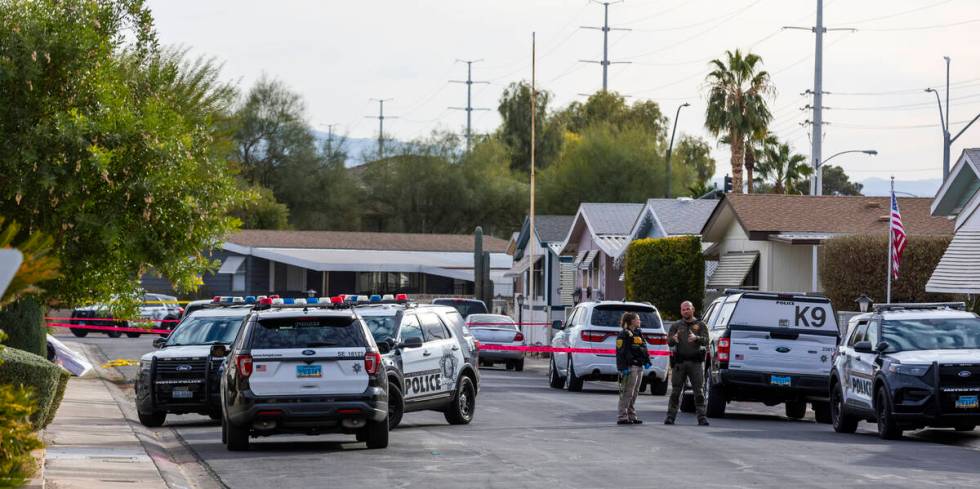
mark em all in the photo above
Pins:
pixel 781 380
pixel 967 402
pixel 181 394
pixel 308 371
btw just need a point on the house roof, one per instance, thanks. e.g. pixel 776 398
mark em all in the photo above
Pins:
pixel 551 229
pixel 682 216
pixel 773 213
pixel 611 218
pixel 344 240
pixel 961 184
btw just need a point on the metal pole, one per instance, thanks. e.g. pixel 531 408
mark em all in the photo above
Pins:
pixel 469 103
pixel 532 235
pixel 670 147
pixel 816 183
pixel 888 291
pixel 605 48
pixel 381 129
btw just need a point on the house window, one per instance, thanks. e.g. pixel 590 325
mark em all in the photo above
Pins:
pixel 238 280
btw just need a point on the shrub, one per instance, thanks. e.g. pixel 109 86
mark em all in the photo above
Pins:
pixel 855 265
pixel 23 321
pixel 17 437
pixel 37 373
pixel 665 272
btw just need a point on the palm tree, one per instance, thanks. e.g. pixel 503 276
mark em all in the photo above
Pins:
pixel 755 149
pixel 737 105
pixel 784 168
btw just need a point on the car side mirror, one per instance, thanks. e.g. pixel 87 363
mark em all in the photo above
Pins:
pixel 882 347
pixel 863 347
pixel 159 342
pixel 413 342
pixel 557 324
pixel 386 346
pixel 219 350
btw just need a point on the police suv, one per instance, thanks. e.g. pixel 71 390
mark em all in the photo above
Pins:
pixel 306 366
pixel 431 363
pixel 770 347
pixel 594 326
pixel 908 366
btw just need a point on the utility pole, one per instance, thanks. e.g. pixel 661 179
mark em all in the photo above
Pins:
pixel 381 124
pixel 531 242
pixel 605 44
pixel 670 147
pixel 469 98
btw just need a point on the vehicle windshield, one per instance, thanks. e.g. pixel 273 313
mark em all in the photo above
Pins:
pixel 932 334
pixel 305 332
pixel 610 316
pixel 381 327
pixel 465 307
pixel 206 330
pixel 476 321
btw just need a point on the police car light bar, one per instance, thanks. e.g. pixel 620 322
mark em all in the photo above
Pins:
pixel 958 306
pixel 375 298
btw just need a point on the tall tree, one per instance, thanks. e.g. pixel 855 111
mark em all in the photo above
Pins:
pixel 691 162
pixel 515 128
pixel 611 108
pixel 782 168
pixel 836 182
pixel 737 108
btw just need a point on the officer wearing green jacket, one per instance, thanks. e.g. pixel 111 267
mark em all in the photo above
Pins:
pixel 688 340
pixel 631 358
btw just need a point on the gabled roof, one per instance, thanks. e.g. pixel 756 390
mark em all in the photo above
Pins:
pixel 765 214
pixel 550 229
pixel 680 216
pixel 608 224
pixel 961 184
pixel 343 240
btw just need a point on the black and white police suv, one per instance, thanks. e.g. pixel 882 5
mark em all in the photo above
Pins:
pixel 430 362
pixel 770 347
pixel 182 377
pixel 908 366
pixel 307 368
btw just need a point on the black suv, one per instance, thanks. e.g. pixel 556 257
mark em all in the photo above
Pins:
pixel 430 359
pixel 304 368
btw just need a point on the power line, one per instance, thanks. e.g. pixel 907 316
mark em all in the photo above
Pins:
pixel 605 44
pixel 698 34
pixel 469 98
pixel 924 27
pixel 897 14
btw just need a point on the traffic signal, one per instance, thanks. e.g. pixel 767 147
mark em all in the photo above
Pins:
pixel 728 184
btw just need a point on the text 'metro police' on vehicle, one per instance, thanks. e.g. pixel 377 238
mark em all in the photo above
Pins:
pixel 430 363
pixel 908 366
pixel 770 347
pixel 181 377
pixel 306 366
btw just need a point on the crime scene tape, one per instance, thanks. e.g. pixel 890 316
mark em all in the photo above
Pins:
pixel 508 324
pixel 109 328
pixel 120 362
pixel 555 349
pixel 115 320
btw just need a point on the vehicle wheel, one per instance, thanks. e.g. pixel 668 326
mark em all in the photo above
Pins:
pixel 236 438
pixel 461 410
pixel 714 402
pixel 361 434
pixel 214 414
pixel 969 427
pixel 79 333
pixel 659 387
pixel 519 365
pixel 376 434
pixel 795 409
pixel 887 427
pixel 113 334
pixel 554 380
pixel 687 402
pixel 152 420
pixel 224 431
pixel 396 406
pixel 821 412
pixel 572 382
pixel 509 365
pixel 843 422
pixel 133 335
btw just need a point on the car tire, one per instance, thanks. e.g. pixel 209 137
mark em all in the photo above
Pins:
pixel 396 406
pixel 376 434
pixel 842 422
pixel 821 412
pixel 554 380
pixel 795 409
pixel 969 427
pixel 214 414
pixel 79 333
pixel 658 387
pixel 236 438
pixel 224 431
pixel 113 334
pixel 887 427
pixel 509 365
pixel 154 419
pixel 133 335
pixel 714 402
pixel 463 405
pixel 572 382
pixel 519 365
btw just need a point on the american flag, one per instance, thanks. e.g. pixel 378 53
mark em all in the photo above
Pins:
pixel 899 239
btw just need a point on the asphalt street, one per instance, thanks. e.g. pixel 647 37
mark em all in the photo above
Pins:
pixel 526 434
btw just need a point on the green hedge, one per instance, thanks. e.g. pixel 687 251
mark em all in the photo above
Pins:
pixel 46 379
pixel 665 272
pixel 23 321
pixel 855 265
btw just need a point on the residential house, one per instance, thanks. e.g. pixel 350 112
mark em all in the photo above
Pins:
pixel 553 275
pixel 958 271
pixel 597 236
pixel 768 241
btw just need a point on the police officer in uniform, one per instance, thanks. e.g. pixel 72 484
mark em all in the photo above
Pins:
pixel 631 358
pixel 688 340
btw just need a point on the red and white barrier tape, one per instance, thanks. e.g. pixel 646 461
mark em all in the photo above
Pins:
pixel 115 320
pixel 109 328
pixel 555 349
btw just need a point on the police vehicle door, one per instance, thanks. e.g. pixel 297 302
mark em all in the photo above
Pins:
pixel 440 343
pixel 418 364
pixel 859 368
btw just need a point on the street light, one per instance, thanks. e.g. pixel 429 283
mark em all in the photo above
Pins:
pixel 864 302
pixel 820 164
pixel 947 140
pixel 670 147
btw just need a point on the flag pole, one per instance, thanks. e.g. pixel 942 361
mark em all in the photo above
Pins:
pixel 891 262
pixel 531 241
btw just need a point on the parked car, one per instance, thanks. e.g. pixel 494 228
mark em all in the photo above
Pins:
pixel 465 307
pixel 163 309
pixel 304 368
pixel 429 361
pixel 497 330
pixel 594 326
pixel 906 367
pixel 181 377
pixel 769 347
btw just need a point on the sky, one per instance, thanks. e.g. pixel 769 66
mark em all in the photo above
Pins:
pixel 339 55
